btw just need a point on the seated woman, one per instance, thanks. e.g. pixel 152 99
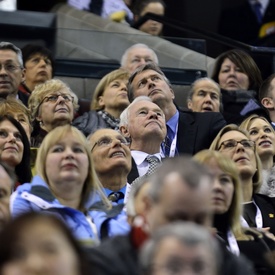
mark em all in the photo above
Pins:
pixel 258 209
pixel 240 79
pixel 13 107
pixel 39 67
pixel 51 104
pixel 43 245
pixel 263 134
pixel 226 203
pixel 15 148
pixel 109 100
pixel 142 7
pixel 66 186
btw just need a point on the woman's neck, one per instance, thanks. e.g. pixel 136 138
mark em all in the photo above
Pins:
pixel 113 112
pixel 247 189
pixel 68 193
pixel 267 162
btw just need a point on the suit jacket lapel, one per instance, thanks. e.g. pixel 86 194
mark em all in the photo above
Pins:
pixel 133 173
pixel 186 138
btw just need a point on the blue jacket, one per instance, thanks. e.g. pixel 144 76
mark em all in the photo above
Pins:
pixel 96 224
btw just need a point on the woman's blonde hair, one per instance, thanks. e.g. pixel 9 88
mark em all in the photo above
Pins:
pixel 257 177
pixel 103 83
pixel 41 91
pixel 91 183
pixel 229 167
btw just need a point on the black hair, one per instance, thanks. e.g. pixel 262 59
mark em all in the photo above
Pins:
pixel 23 169
pixel 31 49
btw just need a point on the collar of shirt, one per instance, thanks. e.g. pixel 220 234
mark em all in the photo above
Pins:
pixel 108 191
pixel 264 4
pixel 173 122
pixel 142 164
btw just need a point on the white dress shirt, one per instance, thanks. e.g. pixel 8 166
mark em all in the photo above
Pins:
pixel 142 164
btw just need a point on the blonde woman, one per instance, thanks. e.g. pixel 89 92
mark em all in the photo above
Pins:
pixel 51 104
pixel 109 100
pixel 66 186
pixel 227 208
pixel 263 134
pixel 236 144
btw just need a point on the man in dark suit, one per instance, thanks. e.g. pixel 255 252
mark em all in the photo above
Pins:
pixel 267 97
pixel 12 71
pixel 187 132
pixel 243 24
pixel 143 123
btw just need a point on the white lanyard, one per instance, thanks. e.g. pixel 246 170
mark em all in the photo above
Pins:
pixel 258 218
pixel 232 242
pixel 173 146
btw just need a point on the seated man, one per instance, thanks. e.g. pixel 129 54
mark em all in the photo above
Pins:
pixel 112 162
pixel 178 246
pixel 12 71
pixel 137 55
pixel 204 96
pixel 143 123
pixel 187 132
pixel 267 97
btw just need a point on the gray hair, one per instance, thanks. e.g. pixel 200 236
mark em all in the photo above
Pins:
pixel 125 114
pixel 188 169
pixel 149 66
pixel 186 233
pixel 138 45
pixel 12 47
pixel 192 87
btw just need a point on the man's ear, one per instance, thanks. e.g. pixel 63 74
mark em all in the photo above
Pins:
pixel 268 103
pixel 172 92
pixel 189 104
pixel 124 131
pixel 23 75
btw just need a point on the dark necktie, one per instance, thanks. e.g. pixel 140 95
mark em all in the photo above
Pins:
pixel 257 10
pixel 168 141
pixel 116 196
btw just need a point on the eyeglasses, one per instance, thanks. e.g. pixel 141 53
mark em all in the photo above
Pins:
pixel 107 141
pixel 232 144
pixel 9 67
pixel 54 98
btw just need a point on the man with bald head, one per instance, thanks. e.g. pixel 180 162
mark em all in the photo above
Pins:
pixel 112 161
pixel 137 55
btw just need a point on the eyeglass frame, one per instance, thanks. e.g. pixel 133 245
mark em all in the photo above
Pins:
pixel 111 140
pixel 236 144
pixel 46 99
pixel 12 68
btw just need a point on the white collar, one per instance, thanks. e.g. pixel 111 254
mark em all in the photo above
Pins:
pixel 264 4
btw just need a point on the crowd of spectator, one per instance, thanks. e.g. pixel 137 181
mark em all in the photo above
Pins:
pixel 136 185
